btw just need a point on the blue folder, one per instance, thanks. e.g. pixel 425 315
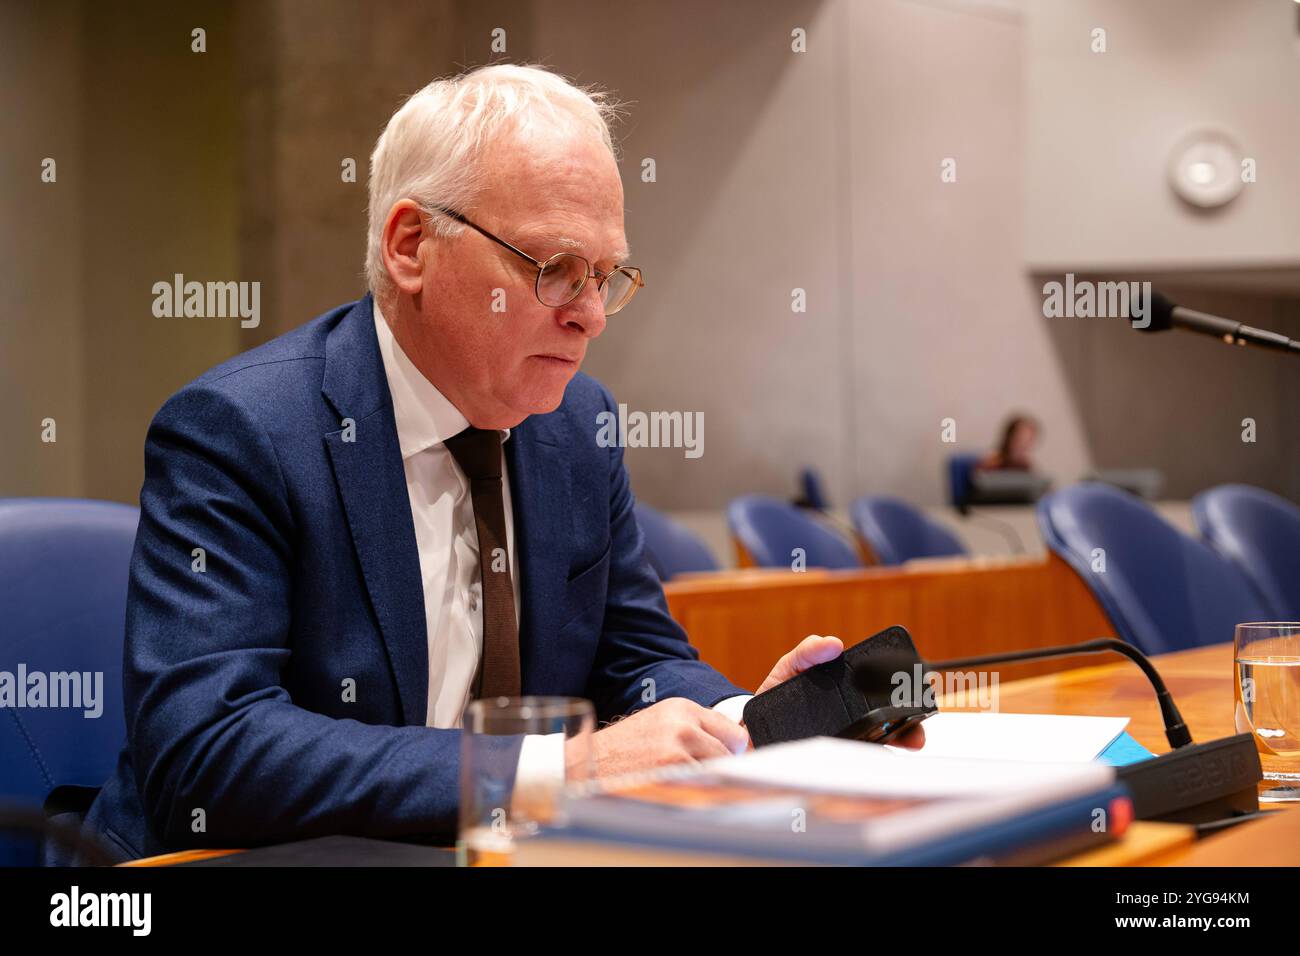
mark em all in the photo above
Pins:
pixel 1124 750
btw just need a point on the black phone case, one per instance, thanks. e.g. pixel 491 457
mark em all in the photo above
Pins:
pixel 829 700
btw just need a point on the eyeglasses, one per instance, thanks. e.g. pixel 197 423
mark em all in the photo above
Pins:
pixel 562 277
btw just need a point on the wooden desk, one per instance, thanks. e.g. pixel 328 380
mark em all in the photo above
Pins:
pixel 181 856
pixel 1201 683
pixel 743 621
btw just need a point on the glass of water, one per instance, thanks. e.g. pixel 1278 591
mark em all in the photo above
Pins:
pixel 518 758
pixel 1267 665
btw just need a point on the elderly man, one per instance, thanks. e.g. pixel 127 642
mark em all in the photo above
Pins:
pixel 349 533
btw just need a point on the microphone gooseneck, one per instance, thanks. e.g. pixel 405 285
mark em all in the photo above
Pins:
pixel 1176 731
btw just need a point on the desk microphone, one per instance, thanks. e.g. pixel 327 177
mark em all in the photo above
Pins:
pixel 1193 783
pixel 1165 314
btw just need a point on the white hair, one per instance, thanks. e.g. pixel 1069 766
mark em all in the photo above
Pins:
pixel 432 147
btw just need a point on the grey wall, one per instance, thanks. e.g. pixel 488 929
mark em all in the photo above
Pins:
pixel 159 197
pixel 748 205
pixel 317 82
pixel 1105 124
pixel 822 171
pixel 41 316
pixel 1101 128
pixel 775 170
pixel 943 324
pixel 142 131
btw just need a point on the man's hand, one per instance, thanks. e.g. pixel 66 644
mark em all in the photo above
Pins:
pixel 677 729
pixel 809 652
pixel 671 731
pixel 814 650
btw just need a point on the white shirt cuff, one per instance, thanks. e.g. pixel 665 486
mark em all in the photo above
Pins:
pixel 539 775
pixel 734 707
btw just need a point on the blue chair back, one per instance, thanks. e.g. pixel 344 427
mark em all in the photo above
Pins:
pixel 63 578
pixel 960 468
pixel 812 490
pixel 898 532
pixel 1163 590
pixel 1260 533
pixel 671 548
pixel 771 530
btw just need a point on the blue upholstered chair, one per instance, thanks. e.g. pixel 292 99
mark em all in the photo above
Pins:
pixel 771 530
pixel 812 490
pixel 1260 533
pixel 671 547
pixel 897 532
pixel 960 468
pixel 63 578
pixel 1163 590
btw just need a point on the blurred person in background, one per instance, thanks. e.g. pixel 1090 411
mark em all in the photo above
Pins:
pixel 1014 452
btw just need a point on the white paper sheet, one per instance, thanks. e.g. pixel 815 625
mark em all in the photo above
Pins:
pixel 1051 738
pixel 851 766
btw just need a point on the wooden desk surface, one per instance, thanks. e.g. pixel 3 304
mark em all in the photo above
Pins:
pixel 181 856
pixel 1201 683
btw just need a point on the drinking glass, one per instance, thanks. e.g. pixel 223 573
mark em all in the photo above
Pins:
pixel 1266 660
pixel 498 806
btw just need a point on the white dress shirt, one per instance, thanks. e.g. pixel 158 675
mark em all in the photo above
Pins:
pixel 447 540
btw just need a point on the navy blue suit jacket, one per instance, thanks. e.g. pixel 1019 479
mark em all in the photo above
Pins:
pixel 234 676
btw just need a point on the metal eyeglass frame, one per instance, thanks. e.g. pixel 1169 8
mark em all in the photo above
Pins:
pixel 632 272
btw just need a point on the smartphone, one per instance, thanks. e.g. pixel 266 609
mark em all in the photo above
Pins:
pixel 863 694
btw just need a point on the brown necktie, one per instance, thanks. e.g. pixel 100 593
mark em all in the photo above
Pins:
pixel 478 453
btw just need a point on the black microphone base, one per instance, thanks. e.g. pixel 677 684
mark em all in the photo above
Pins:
pixel 1198 783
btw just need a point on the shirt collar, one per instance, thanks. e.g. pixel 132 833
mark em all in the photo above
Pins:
pixel 423 415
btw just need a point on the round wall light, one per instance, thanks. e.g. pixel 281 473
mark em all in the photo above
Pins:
pixel 1205 169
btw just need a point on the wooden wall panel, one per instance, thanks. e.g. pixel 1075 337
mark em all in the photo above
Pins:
pixel 743 621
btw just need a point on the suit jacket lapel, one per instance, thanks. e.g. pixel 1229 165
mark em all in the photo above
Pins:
pixel 539 492
pixel 368 469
